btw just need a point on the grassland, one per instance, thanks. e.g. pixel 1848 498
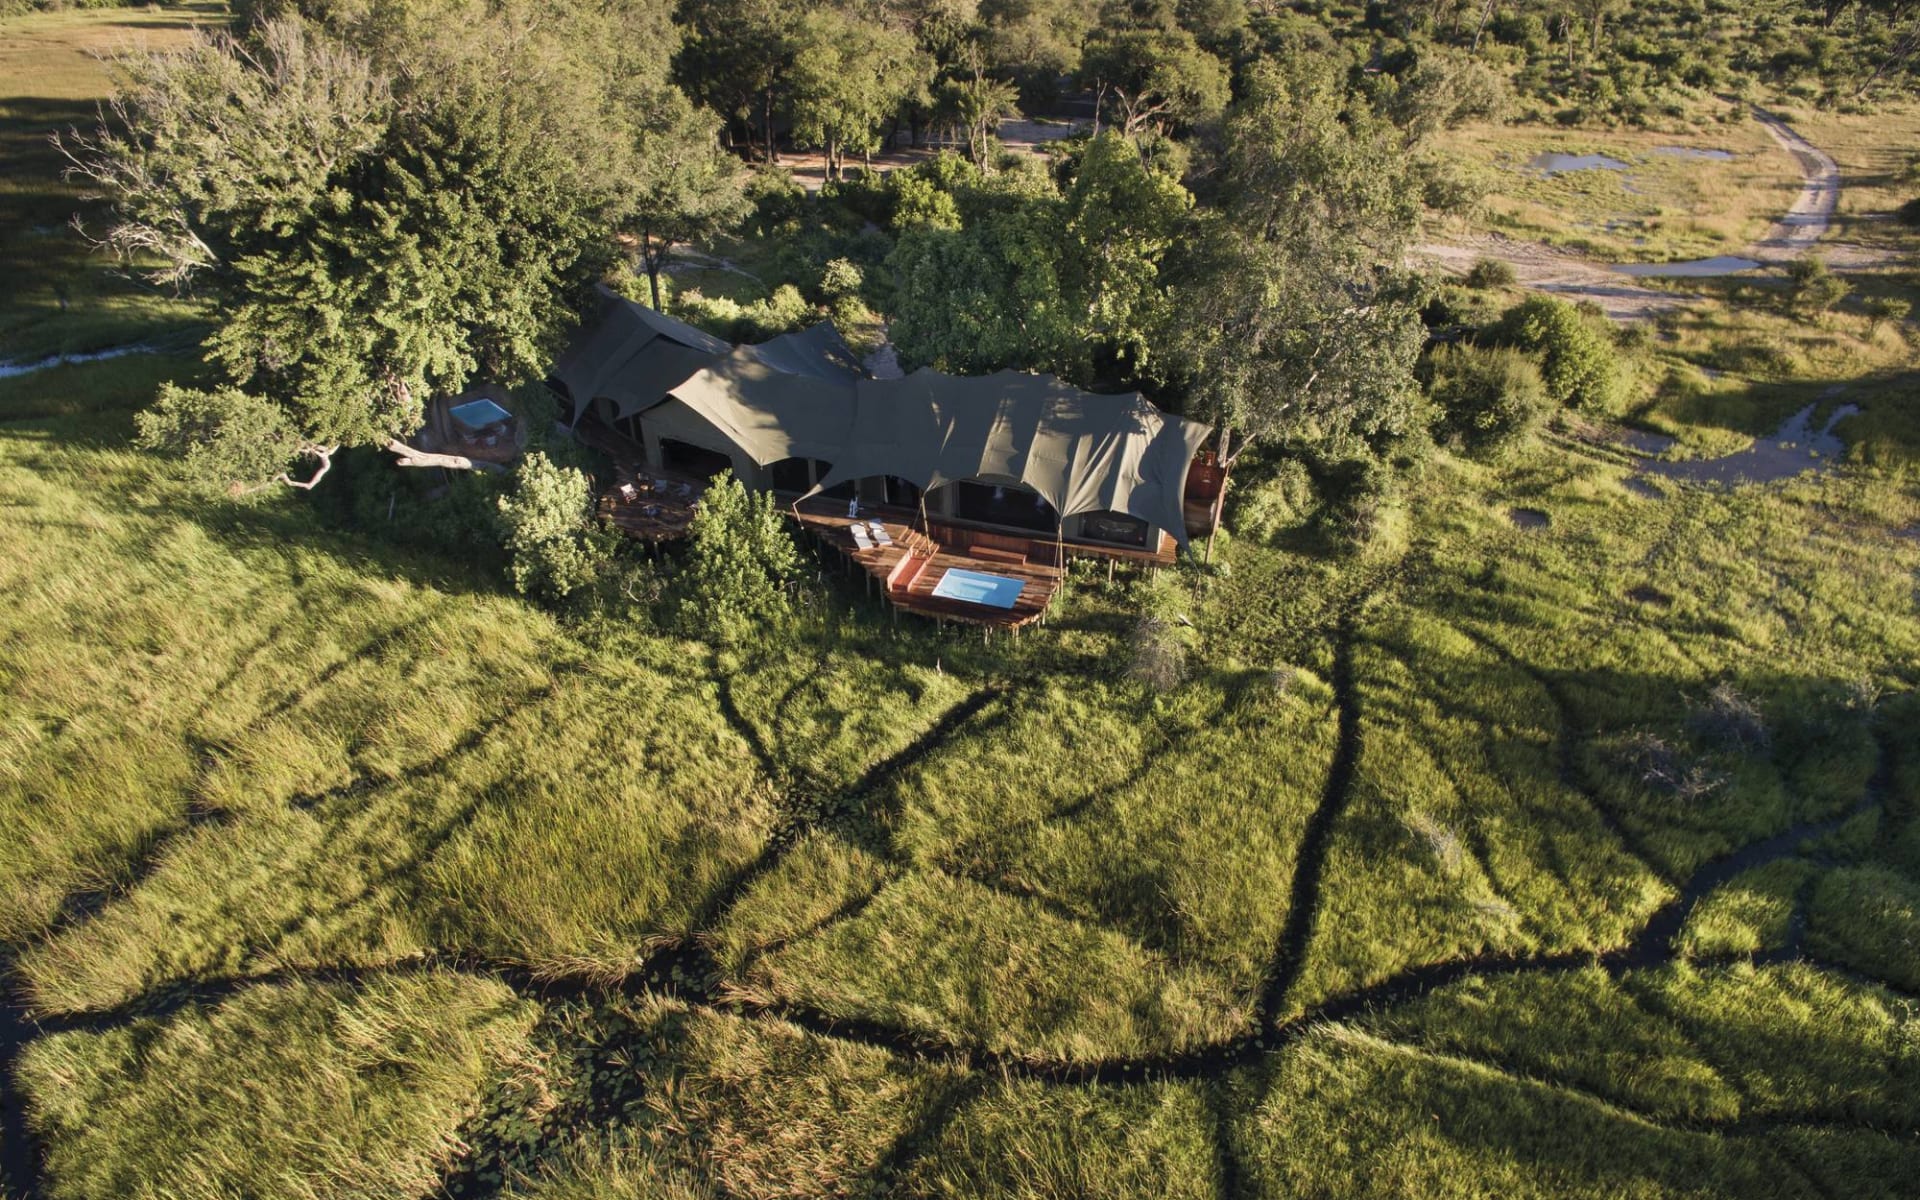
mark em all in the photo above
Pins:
pixel 332 868
pixel 1661 206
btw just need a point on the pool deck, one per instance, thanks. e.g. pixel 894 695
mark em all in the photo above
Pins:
pixel 906 572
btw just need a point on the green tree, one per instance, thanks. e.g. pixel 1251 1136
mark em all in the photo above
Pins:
pixel 683 185
pixel 740 564
pixel 1489 399
pixel 1153 76
pixel 1577 357
pixel 1292 317
pixel 851 75
pixel 976 104
pixel 378 220
pixel 1035 43
pixel 738 59
pixel 544 526
pixel 1121 216
pixel 230 441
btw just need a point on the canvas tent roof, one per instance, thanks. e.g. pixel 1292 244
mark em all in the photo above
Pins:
pixel 769 413
pixel 633 356
pixel 803 395
pixel 1084 452
pixel 818 351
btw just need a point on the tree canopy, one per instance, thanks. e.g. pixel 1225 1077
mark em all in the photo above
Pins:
pixel 1293 315
pixel 384 202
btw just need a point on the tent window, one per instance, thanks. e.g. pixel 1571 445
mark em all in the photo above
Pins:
pixel 998 504
pixel 791 475
pixel 1114 528
pixel 690 459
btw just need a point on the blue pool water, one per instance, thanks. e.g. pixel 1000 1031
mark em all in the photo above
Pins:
pixel 978 587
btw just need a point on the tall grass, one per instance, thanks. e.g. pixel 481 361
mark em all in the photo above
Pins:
pixel 301 1091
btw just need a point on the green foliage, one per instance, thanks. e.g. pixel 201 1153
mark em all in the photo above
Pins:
pixel 1293 323
pixel 1153 76
pixel 543 522
pixel 226 439
pixel 682 185
pixel 741 563
pixel 782 312
pixel 850 76
pixel 1491 399
pixel 1577 358
pixel 1812 288
pixel 1491 273
pixel 1035 278
pixel 378 216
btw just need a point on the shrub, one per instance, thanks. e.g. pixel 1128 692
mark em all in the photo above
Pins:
pixel 740 562
pixel 1487 398
pixel 1263 509
pixel 543 523
pixel 1491 273
pixel 840 278
pixel 1884 309
pixel 1577 354
pixel 1731 720
pixel 1812 288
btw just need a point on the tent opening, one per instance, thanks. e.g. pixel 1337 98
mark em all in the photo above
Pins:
pixel 689 459
pixel 791 475
pixel 1003 504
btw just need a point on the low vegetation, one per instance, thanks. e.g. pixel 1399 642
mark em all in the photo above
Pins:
pixel 1487 817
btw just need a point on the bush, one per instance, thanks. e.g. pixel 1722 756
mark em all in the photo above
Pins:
pixel 1812 288
pixel 1491 273
pixel 1577 354
pixel 1263 509
pixel 1884 309
pixel 784 311
pixel 1488 399
pixel 740 563
pixel 543 523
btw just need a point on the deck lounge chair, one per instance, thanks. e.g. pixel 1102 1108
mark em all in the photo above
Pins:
pixel 880 534
pixel 861 538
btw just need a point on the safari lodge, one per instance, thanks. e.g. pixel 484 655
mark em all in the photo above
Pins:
pixel 961 498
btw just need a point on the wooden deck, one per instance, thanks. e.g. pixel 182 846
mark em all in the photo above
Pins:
pixel 906 572
pixel 662 505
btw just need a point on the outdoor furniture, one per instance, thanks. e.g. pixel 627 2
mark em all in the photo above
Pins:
pixel 880 533
pixel 628 493
pixel 861 538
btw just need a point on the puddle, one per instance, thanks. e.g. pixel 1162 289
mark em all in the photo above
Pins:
pixel 1792 449
pixel 1527 518
pixel 1699 268
pixel 1560 164
pixel 1696 153
pixel 9 369
pixel 1653 445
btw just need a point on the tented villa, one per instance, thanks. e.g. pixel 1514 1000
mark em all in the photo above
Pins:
pixel 961 497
